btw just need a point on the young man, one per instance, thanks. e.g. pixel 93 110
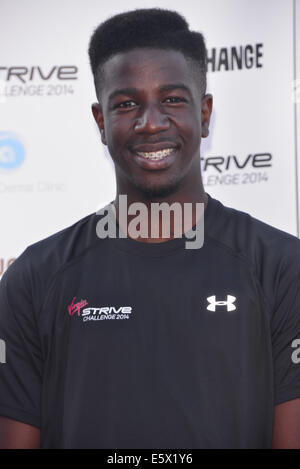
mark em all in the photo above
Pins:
pixel 142 343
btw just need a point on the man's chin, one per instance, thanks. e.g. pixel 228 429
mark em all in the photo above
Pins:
pixel 150 193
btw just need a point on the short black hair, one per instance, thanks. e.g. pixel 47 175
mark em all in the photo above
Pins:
pixel 147 27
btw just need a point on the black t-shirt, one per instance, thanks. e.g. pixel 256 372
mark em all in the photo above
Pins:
pixel 115 343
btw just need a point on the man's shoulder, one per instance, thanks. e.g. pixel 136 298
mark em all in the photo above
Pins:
pixel 34 269
pixel 66 243
pixel 259 229
pixel 259 243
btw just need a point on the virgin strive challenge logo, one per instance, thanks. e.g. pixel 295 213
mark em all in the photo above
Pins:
pixel 97 314
pixel 12 152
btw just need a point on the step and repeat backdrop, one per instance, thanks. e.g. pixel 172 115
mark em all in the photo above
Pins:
pixel 54 169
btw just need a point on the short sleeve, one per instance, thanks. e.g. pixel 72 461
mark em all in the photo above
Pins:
pixel 21 364
pixel 286 341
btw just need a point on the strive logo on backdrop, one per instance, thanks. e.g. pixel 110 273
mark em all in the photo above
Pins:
pixel 37 80
pixel 252 168
pixel 12 152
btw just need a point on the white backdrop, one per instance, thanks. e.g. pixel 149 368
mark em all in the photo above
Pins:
pixel 53 167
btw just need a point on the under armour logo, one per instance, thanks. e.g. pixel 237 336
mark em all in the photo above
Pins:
pixel 229 303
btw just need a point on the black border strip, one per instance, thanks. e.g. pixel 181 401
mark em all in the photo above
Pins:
pixel 295 119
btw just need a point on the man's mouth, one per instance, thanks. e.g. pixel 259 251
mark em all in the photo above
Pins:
pixel 160 159
pixel 156 155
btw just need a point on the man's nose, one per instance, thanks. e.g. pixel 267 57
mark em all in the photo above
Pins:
pixel 152 120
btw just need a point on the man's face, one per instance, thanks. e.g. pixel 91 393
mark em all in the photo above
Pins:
pixel 151 117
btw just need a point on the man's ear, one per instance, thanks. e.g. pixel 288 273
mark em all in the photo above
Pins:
pixel 98 116
pixel 207 105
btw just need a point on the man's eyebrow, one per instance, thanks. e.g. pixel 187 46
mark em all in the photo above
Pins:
pixel 169 87
pixel 175 86
pixel 122 91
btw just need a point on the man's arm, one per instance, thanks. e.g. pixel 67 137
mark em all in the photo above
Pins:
pixel 22 370
pixel 17 435
pixel 286 428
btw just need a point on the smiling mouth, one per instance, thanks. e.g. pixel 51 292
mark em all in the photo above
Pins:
pixel 156 155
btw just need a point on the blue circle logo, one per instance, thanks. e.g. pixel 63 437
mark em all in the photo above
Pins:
pixel 12 151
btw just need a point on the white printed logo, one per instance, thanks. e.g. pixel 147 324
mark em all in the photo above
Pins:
pixel 75 308
pixel 108 312
pixel 229 303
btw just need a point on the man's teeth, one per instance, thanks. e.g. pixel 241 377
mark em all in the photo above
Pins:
pixel 155 155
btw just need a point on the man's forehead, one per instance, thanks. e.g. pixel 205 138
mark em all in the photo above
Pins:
pixel 131 67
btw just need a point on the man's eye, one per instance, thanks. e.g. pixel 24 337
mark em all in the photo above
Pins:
pixel 126 104
pixel 174 99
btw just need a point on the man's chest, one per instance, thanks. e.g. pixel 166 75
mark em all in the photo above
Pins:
pixel 152 341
